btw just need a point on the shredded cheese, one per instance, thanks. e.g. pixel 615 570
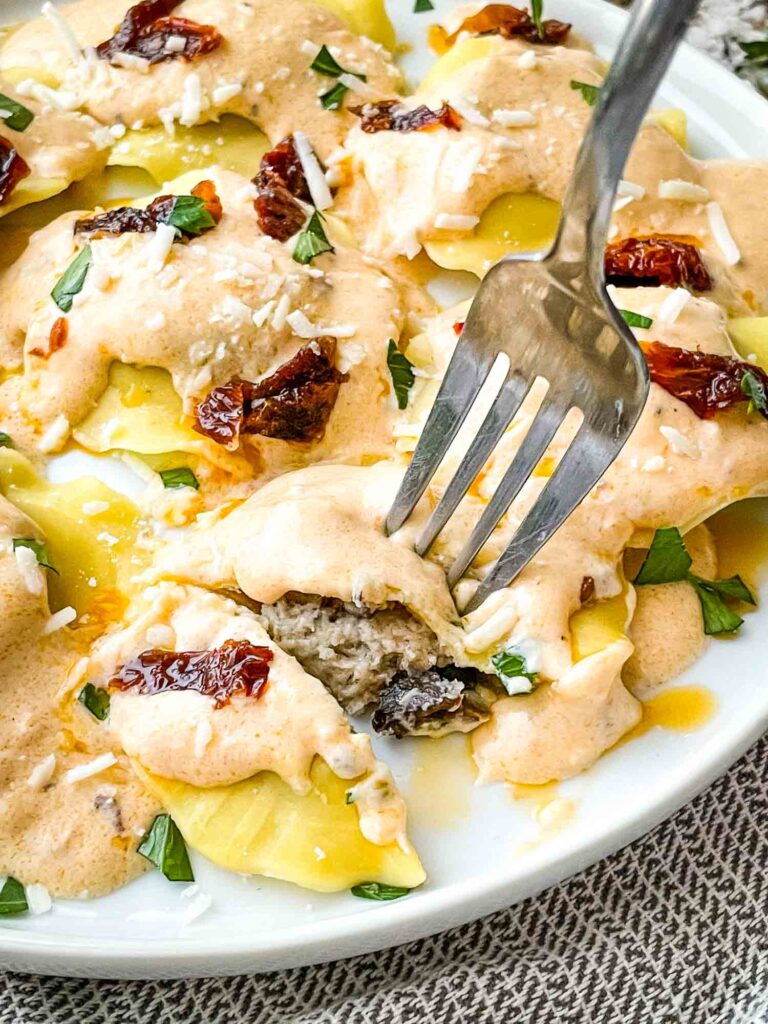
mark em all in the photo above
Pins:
pixel 60 23
pixel 683 191
pixel 313 172
pixel 722 235
pixel 85 771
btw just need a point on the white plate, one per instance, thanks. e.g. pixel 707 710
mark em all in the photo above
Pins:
pixel 475 862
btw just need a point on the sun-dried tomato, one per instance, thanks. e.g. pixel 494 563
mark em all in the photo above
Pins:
pixel 124 219
pixel 146 29
pixel 280 184
pixel 508 21
pixel 655 261
pixel 237 667
pixel 206 190
pixel 707 383
pixel 392 116
pixel 12 168
pixel 56 339
pixel 292 404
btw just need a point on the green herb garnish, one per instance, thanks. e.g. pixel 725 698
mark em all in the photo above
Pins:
pixel 311 240
pixel 756 50
pixel 754 389
pixel 334 98
pixel 589 92
pixel 190 215
pixel 182 476
pixel 326 64
pixel 40 549
pixel 165 847
pixel 72 280
pixel 349 797
pixel 16 116
pixel 536 13
pixel 378 891
pixel 635 319
pixel 423 5
pixel 13 899
pixel 512 670
pixel 401 371
pixel 5 440
pixel 668 561
pixel 95 700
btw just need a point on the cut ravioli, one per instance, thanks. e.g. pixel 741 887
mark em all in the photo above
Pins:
pixel 463 53
pixel 512 223
pixel 232 143
pixel 598 626
pixel 675 122
pixel 91 535
pixel 262 827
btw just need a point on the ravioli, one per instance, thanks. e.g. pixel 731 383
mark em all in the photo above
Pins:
pixel 278 92
pixel 58 147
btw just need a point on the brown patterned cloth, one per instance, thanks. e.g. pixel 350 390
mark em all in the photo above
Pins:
pixel 671 930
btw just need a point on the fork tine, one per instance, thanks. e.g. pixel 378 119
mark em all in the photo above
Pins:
pixel 500 415
pixel 581 466
pixel 544 427
pixel 461 385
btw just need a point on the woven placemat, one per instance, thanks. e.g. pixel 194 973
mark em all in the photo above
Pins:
pixel 671 930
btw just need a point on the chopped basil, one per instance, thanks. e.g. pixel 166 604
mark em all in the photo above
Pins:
pixel 756 50
pixel 182 476
pixel 668 561
pixel 423 5
pixel 401 371
pixel 164 846
pixel 5 440
pixel 95 700
pixel 635 319
pixel 40 549
pixel 349 797
pixel 589 92
pixel 378 891
pixel 326 64
pixel 754 389
pixel 311 241
pixel 16 116
pixel 191 216
pixel 513 672
pixel 72 280
pixel 536 12
pixel 334 98
pixel 13 899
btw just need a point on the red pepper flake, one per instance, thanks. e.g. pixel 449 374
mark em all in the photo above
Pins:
pixel 707 383
pixel 508 22
pixel 655 261
pixel 281 184
pixel 392 116
pixel 57 338
pixel 12 168
pixel 146 29
pixel 206 190
pixel 292 404
pixel 125 219
pixel 237 667
pixel 458 327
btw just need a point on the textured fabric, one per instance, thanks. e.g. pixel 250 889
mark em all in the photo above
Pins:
pixel 671 930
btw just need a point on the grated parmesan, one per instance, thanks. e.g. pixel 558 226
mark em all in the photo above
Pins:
pixel 513 118
pixel 679 443
pixel 130 62
pixel 55 435
pixel 61 618
pixel 469 111
pixel 60 23
pixel 38 899
pixel 29 570
pixel 85 771
pixel 722 235
pixel 683 191
pixel 42 773
pixel 456 221
pixel 313 172
pixel 673 305
pixel 158 248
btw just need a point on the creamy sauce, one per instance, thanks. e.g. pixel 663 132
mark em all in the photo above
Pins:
pixel 151 332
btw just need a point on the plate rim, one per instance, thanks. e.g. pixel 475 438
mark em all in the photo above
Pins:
pixel 428 912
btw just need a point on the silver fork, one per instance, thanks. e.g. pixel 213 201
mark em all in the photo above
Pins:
pixel 551 314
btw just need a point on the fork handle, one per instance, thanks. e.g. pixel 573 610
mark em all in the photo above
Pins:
pixel 644 53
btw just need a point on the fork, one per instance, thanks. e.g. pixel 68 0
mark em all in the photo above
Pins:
pixel 551 314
